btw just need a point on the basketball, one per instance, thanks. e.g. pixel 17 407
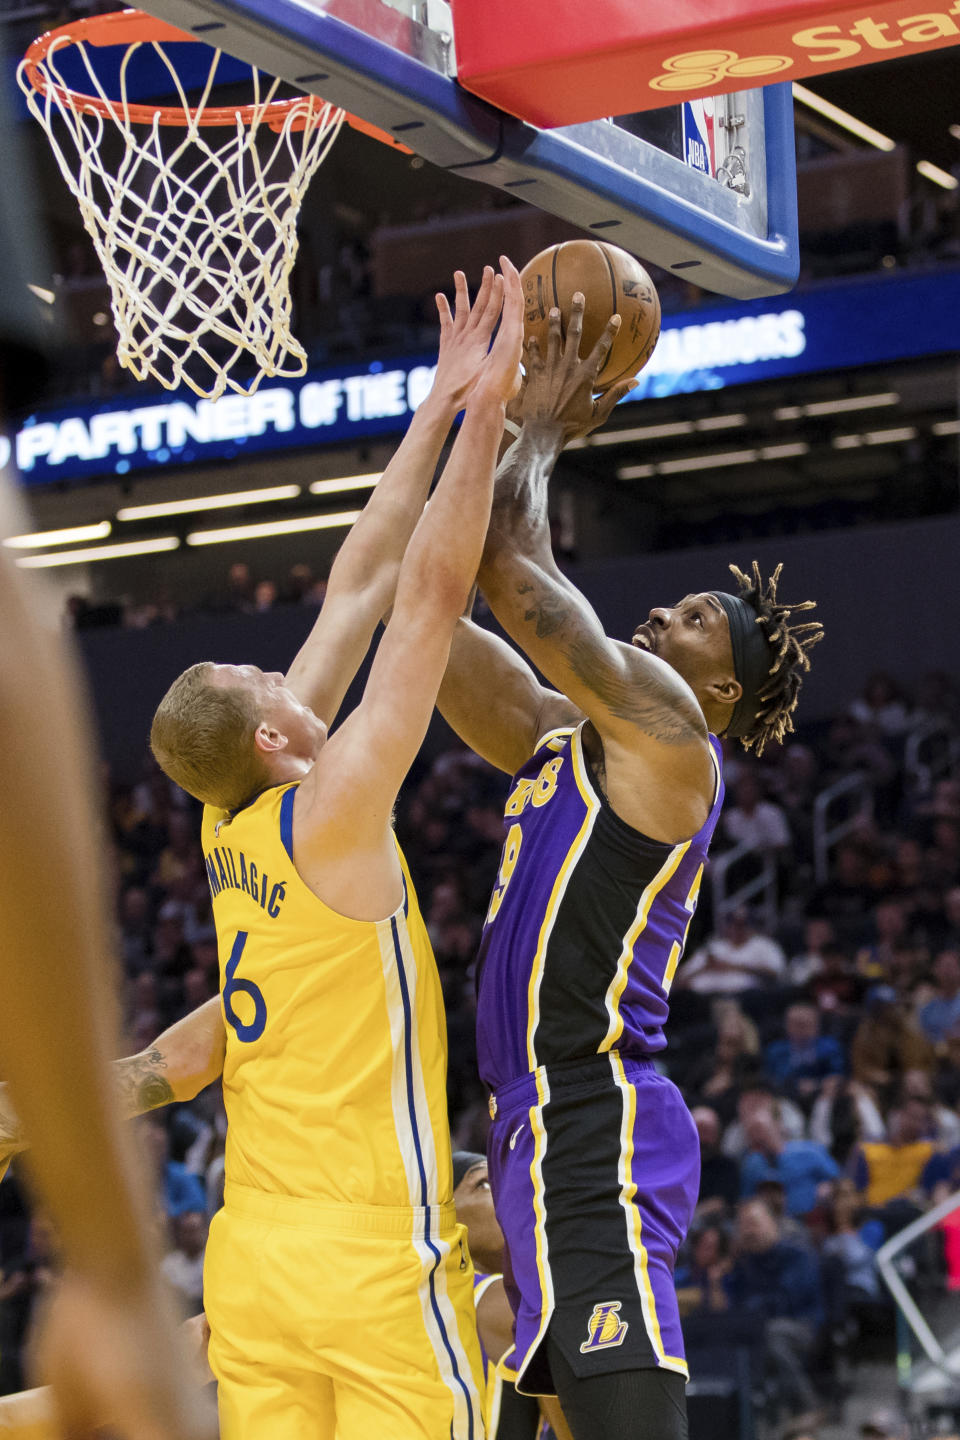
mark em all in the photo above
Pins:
pixel 612 283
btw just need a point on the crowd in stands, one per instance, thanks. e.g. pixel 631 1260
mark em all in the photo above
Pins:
pixel 818 1043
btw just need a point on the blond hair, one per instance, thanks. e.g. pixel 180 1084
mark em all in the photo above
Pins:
pixel 202 737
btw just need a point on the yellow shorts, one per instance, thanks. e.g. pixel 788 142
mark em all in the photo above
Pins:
pixel 341 1321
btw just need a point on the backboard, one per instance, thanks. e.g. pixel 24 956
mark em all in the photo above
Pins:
pixel 720 209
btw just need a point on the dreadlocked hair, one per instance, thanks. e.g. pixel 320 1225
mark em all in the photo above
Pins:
pixel 777 697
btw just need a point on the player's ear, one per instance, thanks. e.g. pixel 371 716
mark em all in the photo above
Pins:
pixel 268 740
pixel 727 691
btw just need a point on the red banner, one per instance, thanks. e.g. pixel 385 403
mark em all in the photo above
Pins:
pixel 558 62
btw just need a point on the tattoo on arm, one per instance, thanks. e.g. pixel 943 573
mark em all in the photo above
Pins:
pixel 548 613
pixel 640 697
pixel 142 1086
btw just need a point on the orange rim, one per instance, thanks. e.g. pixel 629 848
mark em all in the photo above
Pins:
pixel 134 27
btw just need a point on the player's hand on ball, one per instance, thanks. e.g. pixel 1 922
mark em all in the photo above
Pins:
pixel 560 386
pixel 465 336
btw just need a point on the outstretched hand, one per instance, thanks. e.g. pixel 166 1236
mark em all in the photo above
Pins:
pixel 559 387
pixel 465 335
pixel 501 376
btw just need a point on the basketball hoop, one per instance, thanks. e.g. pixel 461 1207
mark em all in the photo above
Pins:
pixel 196 233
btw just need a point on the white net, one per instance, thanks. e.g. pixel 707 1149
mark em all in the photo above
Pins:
pixel 196 227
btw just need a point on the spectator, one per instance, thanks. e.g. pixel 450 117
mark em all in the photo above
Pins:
pixel 779 1284
pixel 177 1189
pixel 721 1074
pixel 890 926
pixel 753 821
pixel 837 989
pixel 758 1098
pixel 181 857
pixel 793 1232
pixel 944 1121
pixel 719 1173
pixel 136 929
pixel 947 1077
pixel 799 1165
pixel 264 596
pixel 853 1240
pixel 817 936
pixel 887 1044
pixel 951 914
pixel 700 1282
pixel 844 1113
pixel 182 1267
pixel 300 581
pixel 239 593
pixel 794 784
pixel 882 706
pixel 885 1170
pixel 799 1062
pixel 740 959
pixel 939 1016
pixel 841 899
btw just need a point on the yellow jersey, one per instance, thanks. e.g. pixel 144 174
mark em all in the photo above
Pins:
pixel 335 1073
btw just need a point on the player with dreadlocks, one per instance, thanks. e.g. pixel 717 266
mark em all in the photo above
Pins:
pixel 594 1158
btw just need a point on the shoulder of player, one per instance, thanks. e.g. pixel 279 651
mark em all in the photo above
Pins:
pixel 665 791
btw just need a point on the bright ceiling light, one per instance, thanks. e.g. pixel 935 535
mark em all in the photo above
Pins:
pixel 98 552
pixel 943 178
pixel 208 502
pixel 708 462
pixel 345 482
pixel 947 427
pixel 875 437
pixel 643 432
pixel 636 472
pixel 60 537
pixel 890 437
pixel 843 118
pixel 342 518
pixel 837 407
pixel 720 422
pixel 47 296
pixel 784 452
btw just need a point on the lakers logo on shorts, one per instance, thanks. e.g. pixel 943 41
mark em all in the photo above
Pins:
pixel 605 1328
pixel 697 69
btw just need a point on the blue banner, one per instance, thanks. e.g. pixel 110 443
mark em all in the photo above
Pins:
pixel 833 327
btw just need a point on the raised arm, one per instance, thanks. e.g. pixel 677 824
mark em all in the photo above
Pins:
pixel 347 799
pixel 364 575
pixel 483 668
pixel 632 698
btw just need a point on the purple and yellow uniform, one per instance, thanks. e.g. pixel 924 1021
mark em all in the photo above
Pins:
pixel 594 1158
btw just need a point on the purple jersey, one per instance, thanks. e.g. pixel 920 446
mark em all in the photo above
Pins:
pixel 586 924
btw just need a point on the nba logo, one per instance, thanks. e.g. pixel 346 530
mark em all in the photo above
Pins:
pixel 604 1328
pixel 699 149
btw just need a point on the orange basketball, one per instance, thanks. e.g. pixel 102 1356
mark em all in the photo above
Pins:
pixel 612 283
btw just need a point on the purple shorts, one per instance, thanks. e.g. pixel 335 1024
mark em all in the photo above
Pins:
pixel 595 1170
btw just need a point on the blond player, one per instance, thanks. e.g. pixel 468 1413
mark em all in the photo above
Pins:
pixel 338 1285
